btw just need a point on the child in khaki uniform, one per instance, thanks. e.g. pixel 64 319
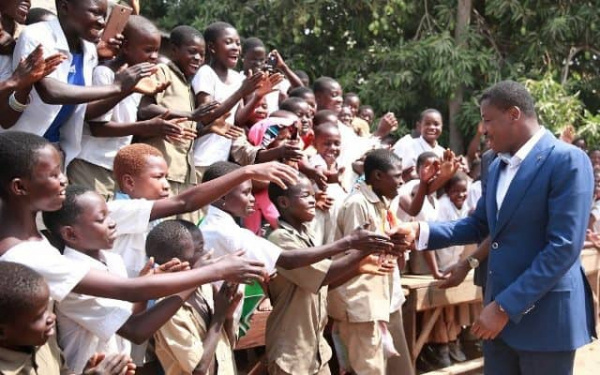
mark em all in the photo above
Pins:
pixel 197 339
pixel 294 337
pixel 361 304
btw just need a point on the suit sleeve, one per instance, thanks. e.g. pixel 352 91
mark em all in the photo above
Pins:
pixel 569 203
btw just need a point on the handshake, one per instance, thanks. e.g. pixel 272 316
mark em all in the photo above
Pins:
pixel 404 236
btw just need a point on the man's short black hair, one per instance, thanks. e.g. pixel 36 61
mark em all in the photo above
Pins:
pixel 425 156
pixel 141 25
pixel 36 15
pixel 219 169
pixel 325 127
pixel 18 156
pixel 323 116
pixel 163 243
pixel 275 191
pixel 19 285
pixel 302 75
pixel 68 213
pixel 323 83
pixel 506 94
pixel 183 34
pixel 349 95
pixel 380 160
pixel 300 92
pixel 252 43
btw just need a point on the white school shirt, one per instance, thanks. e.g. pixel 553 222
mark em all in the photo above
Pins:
pixel 211 148
pixel 447 211
pixel 473 195
pixel 61 274
pixel 428 210
pixel 6 68
pixel 223 235
pixel 272 98
pixel 504 179
pixel 133 224
pixel 88 325
pixel 102 150
pixel 38 116
pixel 409 150
pixel 595 212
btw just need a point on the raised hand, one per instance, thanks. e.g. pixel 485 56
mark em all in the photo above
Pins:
pixel 205 111
pixel 387 124
pixel 237 269
pixel 170 130
pixel 289 152
pixel 323 201
pixel 34 67
pixel 112 364
pixel 362 239
pixel 174 265
pixel 252 83
pixel 128 77
pixel 227 300
pixel 275 172
pixel 403 235
pixel 268 83
pixel 151 86
pixel 375 264
pixel 223 128
pixel 449 165
pixel 110 48
pixel 429 172
pixel 568 134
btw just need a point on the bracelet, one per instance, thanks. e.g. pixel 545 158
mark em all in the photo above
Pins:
pixel 14 104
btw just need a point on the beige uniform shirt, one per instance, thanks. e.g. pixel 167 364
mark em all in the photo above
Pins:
pixel 43 360
pixel 361 127
pixel 294 336
pixel 179 345
pixel 364 298
pixel 178 96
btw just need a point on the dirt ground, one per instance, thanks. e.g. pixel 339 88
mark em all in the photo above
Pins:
pixel 587 361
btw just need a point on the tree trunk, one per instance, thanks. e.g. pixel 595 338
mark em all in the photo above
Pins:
pixel 463 19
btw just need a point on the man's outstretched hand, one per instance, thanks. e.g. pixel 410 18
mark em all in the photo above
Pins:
pixel 404 235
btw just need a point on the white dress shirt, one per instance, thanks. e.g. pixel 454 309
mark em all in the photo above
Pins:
pixel 504 179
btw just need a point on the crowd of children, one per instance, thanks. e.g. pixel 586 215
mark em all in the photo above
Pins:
pixel 153 196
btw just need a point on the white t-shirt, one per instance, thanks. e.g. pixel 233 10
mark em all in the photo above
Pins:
pixel 61 274
pixel 272 98
pixel 6 68
pixel 596 213
pixel 473 195
pixel 428 211
pixel 88 325
pixel 212 148
pixel 447 211
pixel 102 150
pixel 409 150
pixel 133 224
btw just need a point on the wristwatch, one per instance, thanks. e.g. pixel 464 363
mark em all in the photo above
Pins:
pixel 473 262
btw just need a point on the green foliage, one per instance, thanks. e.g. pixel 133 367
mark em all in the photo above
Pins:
pixel 402 56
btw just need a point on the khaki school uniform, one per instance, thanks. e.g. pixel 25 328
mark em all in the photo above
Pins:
pixel 364 300
pixel 42 360
pixel 179 155
pixel 92 176
pixel 179 346
pixel 294 336
pixel 361 127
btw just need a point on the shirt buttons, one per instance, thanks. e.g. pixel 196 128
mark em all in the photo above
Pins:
pixel 494 245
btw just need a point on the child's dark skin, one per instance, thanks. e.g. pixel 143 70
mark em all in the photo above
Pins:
pixel 297 208
pixel 44 190
pixel 239 203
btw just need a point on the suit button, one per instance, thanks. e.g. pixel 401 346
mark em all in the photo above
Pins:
pixel 494 245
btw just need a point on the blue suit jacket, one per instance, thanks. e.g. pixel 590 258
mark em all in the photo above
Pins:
pixel 534 267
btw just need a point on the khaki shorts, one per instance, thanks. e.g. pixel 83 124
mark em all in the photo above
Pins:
pixel 92 176
pixel 365 349
pixel 276 370
pixel 401 364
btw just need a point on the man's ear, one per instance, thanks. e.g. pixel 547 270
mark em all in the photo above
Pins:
pixel 515 113
pixel 376 175
pixel 210 47
pixel 62 6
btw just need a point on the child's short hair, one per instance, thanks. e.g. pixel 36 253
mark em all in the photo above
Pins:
pixel 380 160
pixel 350 95
pixel 302 75
pixel 36 15
pixel 19 285
pixel 365 107
pixel 424 156
pixel 458 177
pixel 275 191
pixel 324 127
pixel 323 116
pixel 291 104
pixel 219 169
pixel 212 31
pixel 131 159
pixel 141 25
pixel 18 155
pixel 252 43
pixel 182 34
pixel 68 213
pixel 163 243
pixel 323 83
pixel 429 111
pixel 300 92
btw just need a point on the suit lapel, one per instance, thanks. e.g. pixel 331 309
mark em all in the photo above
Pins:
pixel 492 184
pixel 522 181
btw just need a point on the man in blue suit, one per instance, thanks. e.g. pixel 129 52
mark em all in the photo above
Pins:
pixel 538 307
